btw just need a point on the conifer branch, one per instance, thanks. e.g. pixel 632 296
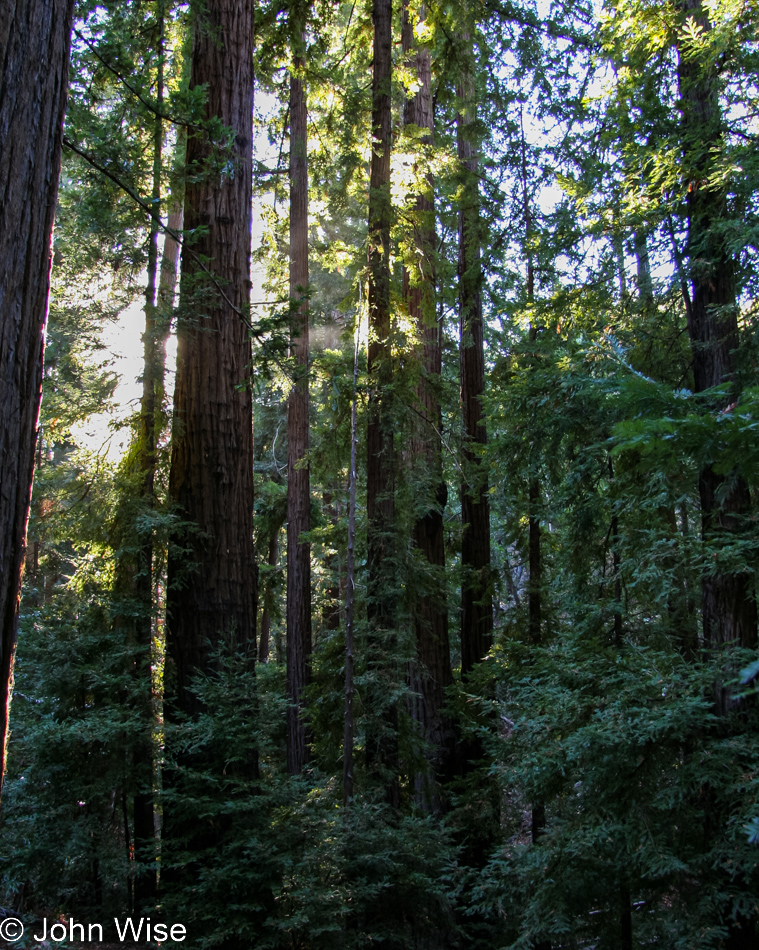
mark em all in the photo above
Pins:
pixel 135 92
pixel 176 235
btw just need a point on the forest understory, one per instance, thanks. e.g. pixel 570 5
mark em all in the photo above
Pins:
pixel 417 608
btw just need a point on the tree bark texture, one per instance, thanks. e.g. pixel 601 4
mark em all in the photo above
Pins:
pixel 476 597
pixel 431 673
pixel 380 467
pixel 298 475
pixel 728 602
pixel 35 38
pixel 381 743
pixel 211 583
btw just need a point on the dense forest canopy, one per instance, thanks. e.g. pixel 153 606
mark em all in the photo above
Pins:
pixel 420 609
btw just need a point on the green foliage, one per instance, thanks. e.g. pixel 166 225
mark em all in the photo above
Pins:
pixel 74 726
pixel 603 720
pixel 625 752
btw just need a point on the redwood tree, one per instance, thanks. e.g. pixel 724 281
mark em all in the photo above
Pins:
pixel 728 603
pixel 35 38
pixel 211 571
pixel 476 598
pixel 298 476
pixel 431 673
pixel 381 744
pixel 157 321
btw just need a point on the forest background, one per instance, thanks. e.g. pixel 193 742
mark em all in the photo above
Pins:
pixel 422 612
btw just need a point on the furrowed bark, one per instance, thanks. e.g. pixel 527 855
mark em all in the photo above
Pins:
pixel 211 595
pixel 211 590
pixel 35 38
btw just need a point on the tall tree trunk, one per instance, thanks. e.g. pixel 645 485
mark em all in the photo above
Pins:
pixel 534 539
pixel 167 282
pixel 211 596
pixel 382 740
pixel 618 243
pixel 135 577
pixel 534 552
pixel 431 673
pixel 154 342
pixel 350 588
pixel 476 597
pixel 680 609
pixel 35 38
pixel 143 762
pixel 643 268
pixel 728 602
pixel 211 591
pixel 298 476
